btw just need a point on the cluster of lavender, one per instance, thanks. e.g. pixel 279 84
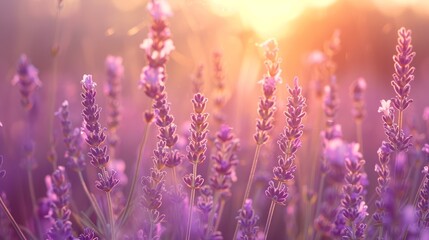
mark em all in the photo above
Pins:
pixel 72 139
pixel 59 196
pixel 289 143
pixel 390 189
pixel 162 210
pixel 196 150
pixel 115 74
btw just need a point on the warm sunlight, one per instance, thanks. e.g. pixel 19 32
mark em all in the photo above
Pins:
pixel 267 18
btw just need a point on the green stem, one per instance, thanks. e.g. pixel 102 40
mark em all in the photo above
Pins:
pixel 191 204
pixel 176 184
pixel 249 182
pixel 151 225
pixel 210 226
pixel 124 213
pixel 359 134
pixel 33 199
pixel 12 220
pixel 400 119
pixel 319 194
pixel 221 208
pixel 94 204
pixel 111 220
pixel 269 219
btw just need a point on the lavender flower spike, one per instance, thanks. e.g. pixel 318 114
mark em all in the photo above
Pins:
pixel 115 74
pixel 247 220
pixel 404 73
pixel 27 78
pixel 289 143
pixel 95 135
pixel 72 139
pixel 60 199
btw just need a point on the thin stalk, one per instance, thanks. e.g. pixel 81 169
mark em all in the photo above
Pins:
pixel 400 118
pixel 151 226
pixel 124 213
pixel 175 182
pixel 111 220
pixel 12 220
pixel 54 52
pixel 191 204
pixel 319 194
pixel 249 182
pixel 359 134
pixel 221 208
pixel 33 198
pixel 315 152
pixel 269 219
pixel 91 199
pixel 210 226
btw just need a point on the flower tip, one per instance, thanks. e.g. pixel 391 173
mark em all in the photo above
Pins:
pixel 269 45
pixel 87 81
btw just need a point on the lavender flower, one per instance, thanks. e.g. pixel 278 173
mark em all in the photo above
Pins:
pixel 115 74
pixel 247 220
pixel 289 143
pixel 423 202
pixel 27 78
pixel 266 107
pixel 197 79
pixel 219 88
pixel 60 198
pixel 225 160
pixel 357 91
pixel 353 208
pixel 157 46
pixel 72 139
pixel 330 107
pixel 196 150
pixel 88 234
pixel 404 73
pixel 95 135
pixel 198 142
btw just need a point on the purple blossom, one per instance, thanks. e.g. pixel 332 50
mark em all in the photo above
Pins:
pixel 106 181
pixel 277 194
pixel 72 139
pixel 115 74
pixel 404 72
pixel 60 199
pixel 266 106
pixel 88 234
pixel 358 89
pixel 27 78
pixel 353 207
pixel 95 135
pixel 247 220
pixel 290 138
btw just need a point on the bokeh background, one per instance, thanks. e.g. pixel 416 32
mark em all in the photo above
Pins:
pixel 86 31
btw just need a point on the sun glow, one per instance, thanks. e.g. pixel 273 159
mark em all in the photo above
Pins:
pixel 268 18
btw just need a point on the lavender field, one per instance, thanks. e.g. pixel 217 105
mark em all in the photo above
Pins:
pixel 214 119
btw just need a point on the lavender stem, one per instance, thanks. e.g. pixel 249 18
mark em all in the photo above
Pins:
pixel 124 213
pixel 192 200
pixel 12 220
pixel 91 199
pixel 269 218
pixel 249 181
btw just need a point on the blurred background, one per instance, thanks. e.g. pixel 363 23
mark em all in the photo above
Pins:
pixel 87 31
